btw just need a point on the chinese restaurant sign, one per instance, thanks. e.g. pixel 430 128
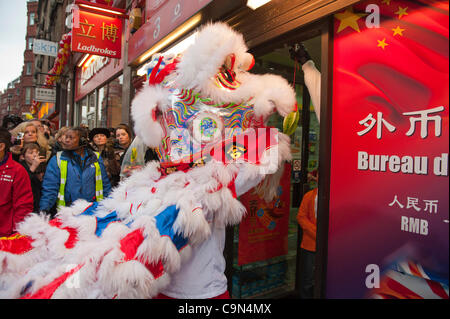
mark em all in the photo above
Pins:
pixel 98 34
pixel 263 233
pixel 388 231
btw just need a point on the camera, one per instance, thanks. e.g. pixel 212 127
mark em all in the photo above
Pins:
pixel 18 139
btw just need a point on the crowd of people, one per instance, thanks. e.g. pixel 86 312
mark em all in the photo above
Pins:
pixel 42 168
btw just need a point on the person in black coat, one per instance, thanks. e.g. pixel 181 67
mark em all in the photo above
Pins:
pixel 35 166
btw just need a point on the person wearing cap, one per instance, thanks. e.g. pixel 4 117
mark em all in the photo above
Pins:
pixel 101 142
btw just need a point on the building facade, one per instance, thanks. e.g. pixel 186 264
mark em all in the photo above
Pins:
pixel 20 92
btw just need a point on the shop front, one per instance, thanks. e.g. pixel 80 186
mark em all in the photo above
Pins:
pixel 99 35
pixel 98 92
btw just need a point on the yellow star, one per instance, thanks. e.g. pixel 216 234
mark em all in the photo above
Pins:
pixel 401 12
pixel 388 2
pixel 348 19
pixel 398 30
pixel 382 43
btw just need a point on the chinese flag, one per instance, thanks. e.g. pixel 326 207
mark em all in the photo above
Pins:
pixel 395 67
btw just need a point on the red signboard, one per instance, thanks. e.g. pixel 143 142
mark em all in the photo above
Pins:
pixel 263 233
pixel 165 18
pixel 98 34
pixel 389 190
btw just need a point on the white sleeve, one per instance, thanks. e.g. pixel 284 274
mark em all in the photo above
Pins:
pixel 243 184
pixel 312 81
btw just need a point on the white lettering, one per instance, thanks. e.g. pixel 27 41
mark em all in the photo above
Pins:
pixel 362 161
pixel 373 279
pixel 440 167
pixel 393 163
pixel 93 68
pixel 373 19
pixel 414 225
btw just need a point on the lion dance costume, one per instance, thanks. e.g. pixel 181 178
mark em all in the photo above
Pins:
pixel 204 114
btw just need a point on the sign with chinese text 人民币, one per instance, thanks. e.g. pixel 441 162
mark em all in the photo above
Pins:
pixel 388 231
pixel 263 233
pixel 98 35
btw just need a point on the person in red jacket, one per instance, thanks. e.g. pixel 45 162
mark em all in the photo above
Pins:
pixel 16 197
pixel 307 218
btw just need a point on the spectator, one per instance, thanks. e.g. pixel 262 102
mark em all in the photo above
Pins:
pixel 33 163
pixel 307 216
pixel 16 197
pixel 112 132
pixel 101 142
pixel 38 125
pixel 137 156
pixel 75 173
pixel 31 134
pixel 124 138
pixel 59 138
pixel 11 121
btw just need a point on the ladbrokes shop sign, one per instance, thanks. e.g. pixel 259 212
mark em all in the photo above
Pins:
pixel 96 32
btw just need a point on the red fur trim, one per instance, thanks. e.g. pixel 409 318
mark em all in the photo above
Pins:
pixel 16 244
pixel 47 291
pixel 73 233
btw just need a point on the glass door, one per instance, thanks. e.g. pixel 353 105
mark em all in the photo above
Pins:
pixel 284 272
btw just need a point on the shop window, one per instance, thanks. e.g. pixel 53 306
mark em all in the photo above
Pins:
pixel 31 19
pixel 91 117
pixel 29 68
pixel 83 109
pixel 30 44
pixel 253 275
pixel 102 107
pixel 109 110
pixel 69 88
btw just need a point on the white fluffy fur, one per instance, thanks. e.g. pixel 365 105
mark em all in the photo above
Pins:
pixel 146 100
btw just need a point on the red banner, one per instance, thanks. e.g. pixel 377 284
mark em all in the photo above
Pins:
pixel 389 153
pixel 263 233
pixel 98 35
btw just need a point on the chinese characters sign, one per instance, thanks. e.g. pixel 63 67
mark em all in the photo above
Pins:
pixel 98 35
pixel 389 189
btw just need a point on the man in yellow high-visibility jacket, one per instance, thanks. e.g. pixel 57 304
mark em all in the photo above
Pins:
pixel 77 172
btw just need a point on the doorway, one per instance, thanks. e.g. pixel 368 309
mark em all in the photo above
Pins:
pixel 280 276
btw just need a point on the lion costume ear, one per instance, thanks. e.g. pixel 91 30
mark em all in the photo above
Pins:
pixel 145 108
